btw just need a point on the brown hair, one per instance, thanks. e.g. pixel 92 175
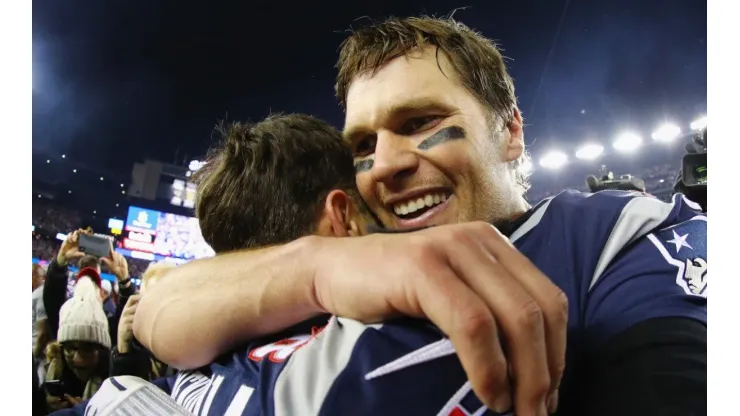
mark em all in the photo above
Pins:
pixel 476 60
pixel 266 183
pixel 89 261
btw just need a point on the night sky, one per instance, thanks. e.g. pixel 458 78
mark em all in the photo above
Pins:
pixel 115 82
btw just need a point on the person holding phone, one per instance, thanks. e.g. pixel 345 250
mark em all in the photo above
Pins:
pixel 78 361
pixel 57 276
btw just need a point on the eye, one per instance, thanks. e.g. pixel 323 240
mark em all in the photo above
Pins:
pixel 365 146
pixel 419 124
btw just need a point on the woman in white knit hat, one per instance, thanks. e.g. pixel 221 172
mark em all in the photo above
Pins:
pixel 79 359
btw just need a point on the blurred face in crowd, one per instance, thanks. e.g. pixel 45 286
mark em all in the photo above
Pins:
pixel 37 276
pixel 82 358
pixel 426 151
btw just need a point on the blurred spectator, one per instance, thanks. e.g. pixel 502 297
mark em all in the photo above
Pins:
pixel 128 356
pixel 58 281
pixel 54 218
pixel 78 360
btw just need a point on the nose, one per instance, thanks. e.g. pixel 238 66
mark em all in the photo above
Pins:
pixel 394 158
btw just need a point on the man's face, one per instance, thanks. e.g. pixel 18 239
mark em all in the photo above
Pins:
pixel 425 152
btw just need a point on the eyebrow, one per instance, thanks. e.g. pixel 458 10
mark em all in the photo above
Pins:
pixel 412 106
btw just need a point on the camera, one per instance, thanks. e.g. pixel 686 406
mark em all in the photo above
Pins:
pixel 607 181
pixel 692 178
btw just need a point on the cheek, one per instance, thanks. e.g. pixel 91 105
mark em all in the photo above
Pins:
pixel 365 185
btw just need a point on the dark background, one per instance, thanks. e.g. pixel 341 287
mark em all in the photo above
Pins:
pixel 118 81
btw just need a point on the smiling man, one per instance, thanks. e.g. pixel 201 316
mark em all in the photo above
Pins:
pixel 432 120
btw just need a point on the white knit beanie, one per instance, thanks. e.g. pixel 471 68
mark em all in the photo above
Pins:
pixel 82 318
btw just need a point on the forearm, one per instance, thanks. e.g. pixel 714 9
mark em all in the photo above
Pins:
pixel 41 340
pixel 206 307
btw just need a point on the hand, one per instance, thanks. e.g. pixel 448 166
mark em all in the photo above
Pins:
pixel 70 249
pixel 126 324
pixel 57 403
pixel 496 307
pixel 73 401
pixel 116 264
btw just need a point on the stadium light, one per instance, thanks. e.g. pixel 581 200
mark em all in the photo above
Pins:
pixel 627 142
pixel 526 167
pixel 554 160
pixel 195 165
pixel 74 170
pixel 63 156
pixel 590 151
pixel 666 133
pixel 48 160
pixel 699 124
pixel 121 185
pixel 123 192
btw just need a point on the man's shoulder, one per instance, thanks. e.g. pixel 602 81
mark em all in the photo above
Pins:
pixel 594 219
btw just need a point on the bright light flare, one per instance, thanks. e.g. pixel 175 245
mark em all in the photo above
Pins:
pixel 554 160
pixel 699 124
pixel 666 133
pixel 627 142
pixel 590 151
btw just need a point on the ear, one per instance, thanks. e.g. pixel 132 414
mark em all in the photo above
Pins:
pixel 515 139
pixel 338 211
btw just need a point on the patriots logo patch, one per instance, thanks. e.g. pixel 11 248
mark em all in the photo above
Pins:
pixel 685 247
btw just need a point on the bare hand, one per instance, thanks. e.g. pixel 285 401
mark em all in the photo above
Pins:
pixel 497 308
pixel 126 324
pixel 73 401
pixel 70 249
pixel 116 264
pixel 57 403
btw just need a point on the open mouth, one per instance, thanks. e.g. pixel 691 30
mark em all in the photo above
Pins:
pixel 415 211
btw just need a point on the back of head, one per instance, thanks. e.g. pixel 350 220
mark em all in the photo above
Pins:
pixel 266 183
pixel 82 318
pixel 89 261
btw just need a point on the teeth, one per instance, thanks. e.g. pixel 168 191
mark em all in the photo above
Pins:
pixel 428 200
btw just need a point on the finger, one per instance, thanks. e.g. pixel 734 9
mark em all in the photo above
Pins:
pixel 466 320
pixel 548 296
pixel 76 255
pixel 106 261
pixel 519 319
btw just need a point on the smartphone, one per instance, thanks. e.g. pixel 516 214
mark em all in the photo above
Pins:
pixel 94 245
pixel 55 388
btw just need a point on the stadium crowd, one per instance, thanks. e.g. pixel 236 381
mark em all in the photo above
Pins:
pixel 196 348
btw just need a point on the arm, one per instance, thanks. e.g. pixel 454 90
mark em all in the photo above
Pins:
pixel 42 337
pixel 252 293
pixel 656 367
pixel 645 339
pixel 133 362
pixel 55 292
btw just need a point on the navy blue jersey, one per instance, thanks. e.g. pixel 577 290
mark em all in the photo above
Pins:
pixel 621 258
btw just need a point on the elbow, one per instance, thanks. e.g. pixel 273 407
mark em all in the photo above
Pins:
pixel 158 326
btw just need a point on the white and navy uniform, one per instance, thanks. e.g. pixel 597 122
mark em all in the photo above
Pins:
pixel 623 259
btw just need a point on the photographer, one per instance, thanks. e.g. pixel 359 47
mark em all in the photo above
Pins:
pixel 692 178
pixel 57 279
